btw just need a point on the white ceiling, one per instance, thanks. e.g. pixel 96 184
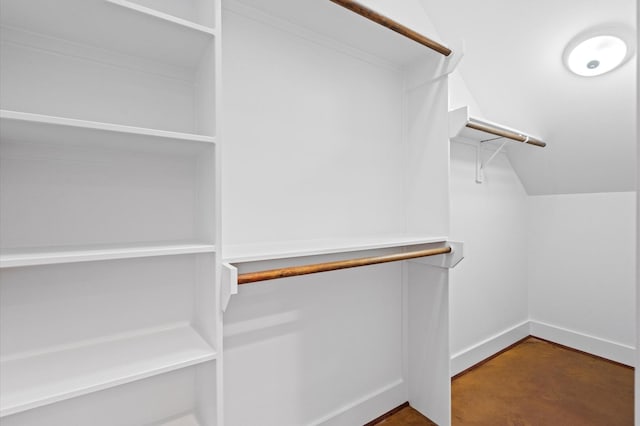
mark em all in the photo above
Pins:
pixel 513 68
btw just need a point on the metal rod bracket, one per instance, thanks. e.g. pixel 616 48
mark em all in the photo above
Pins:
pixel 480 165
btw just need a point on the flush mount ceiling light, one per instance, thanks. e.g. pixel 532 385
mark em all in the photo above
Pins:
pixel 598 52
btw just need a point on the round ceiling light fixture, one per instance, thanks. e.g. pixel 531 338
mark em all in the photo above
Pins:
pixel 598 52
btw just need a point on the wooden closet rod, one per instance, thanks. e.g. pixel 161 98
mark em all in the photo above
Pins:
pixel 485 127
pixel 293 271
pixel 374 16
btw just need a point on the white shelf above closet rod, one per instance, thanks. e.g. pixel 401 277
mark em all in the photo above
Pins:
pixel 293 271
pixel 385 21
pixel 503 132
pixel 463 127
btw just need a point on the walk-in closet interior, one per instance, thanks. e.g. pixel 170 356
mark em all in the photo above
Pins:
pixel 302 212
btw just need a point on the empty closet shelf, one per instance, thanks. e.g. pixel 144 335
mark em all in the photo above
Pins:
pixel 36 379
pixel 464 127
pixel 113 25
pixel 287 249
pixel 33 257
pixel 293 271
pixel 16 125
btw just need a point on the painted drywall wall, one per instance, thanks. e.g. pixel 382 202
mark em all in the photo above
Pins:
pixel 460 96
pixel 637 411
pixel 304 350
pixel 325 348
pixel 582 260
pixel 488 289
pixel 513 65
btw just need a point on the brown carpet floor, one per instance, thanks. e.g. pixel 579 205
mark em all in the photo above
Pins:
pixel 537 383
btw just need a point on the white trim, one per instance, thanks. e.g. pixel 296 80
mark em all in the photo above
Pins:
pixel 89 254
pixel 368 407
pixel 474 354
pixel 614 351
pixel 479 352
pixel 165 17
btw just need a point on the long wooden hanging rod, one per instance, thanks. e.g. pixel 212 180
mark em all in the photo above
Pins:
pixel 293 271
pixel 505 133
pixel 376 17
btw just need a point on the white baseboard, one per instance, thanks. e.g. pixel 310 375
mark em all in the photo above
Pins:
pixel 371 406
pixel 488 347
pixel 367 408
pixel 472 355
pixel 594 345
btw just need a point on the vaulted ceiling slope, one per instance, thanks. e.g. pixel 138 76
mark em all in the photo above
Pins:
pixel 513 68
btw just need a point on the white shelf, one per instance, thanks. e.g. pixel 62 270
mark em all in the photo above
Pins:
pixel 29 127
pixel 335 24
pixel 50 256
pixel 289 249
pixel 116 25
pixel 187 420
pixel 36 379
pixel 459 131
pixel 162 16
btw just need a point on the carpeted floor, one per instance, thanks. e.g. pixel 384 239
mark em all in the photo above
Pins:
pixel 537 383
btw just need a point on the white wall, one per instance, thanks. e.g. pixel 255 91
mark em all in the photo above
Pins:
pixel 560 267
pixel 460 96
pixel 515 89
pixel 329 348
pixel 578 296
pixel 488 289
pixel 637 239
pixel 582 258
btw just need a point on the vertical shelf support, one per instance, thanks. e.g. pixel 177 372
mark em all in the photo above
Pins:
pixel 229 284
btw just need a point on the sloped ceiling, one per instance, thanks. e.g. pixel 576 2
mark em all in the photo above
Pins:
pixel 513 68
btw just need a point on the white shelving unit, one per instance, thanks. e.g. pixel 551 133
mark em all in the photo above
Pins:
pixel 164 399
pixel 33 380
pixel 112 206
pixel 336 147
pixel 43 146
pixel 109 213
pixel 122 26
